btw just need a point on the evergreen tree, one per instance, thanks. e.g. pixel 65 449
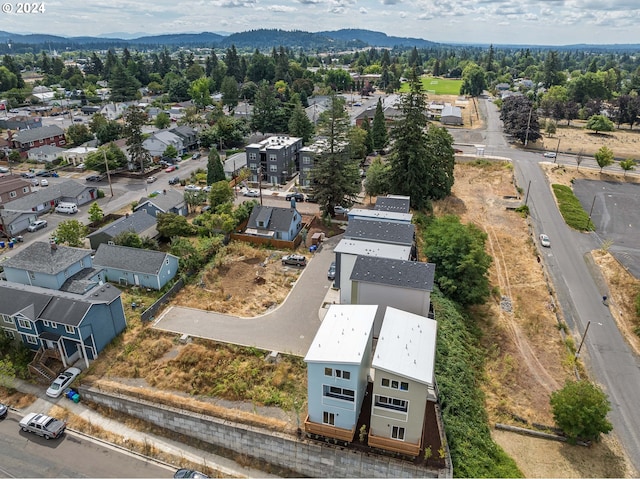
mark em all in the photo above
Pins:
pixel 215 169
pixel 233 64
pixel 335 177
pixel 366 126
pixel 265 107
pixel 379 133
pixel 409 175
pixel 440 162
pixel 134 120
pixel 124 87
pixel 300 125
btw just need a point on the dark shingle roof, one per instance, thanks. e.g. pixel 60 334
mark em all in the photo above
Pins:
pixel 170 198
pixel 399 205
pixel 42 257
pixel 137 222
pixel 380 231
pixel 65 189
pixel 33 134
pixel 129 259
pixel 279 218
pixel 394 272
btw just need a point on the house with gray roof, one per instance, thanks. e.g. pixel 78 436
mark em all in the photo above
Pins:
pixel 169 201
pixel 139 222
pixel 397 203
pixel 45 154
pixel 387 282
pixel 46 199
pixel 277 223
pixel 13 187
pixel 381 231
pixel 52 266
pixel 14 222
pixel 24 140
pixel 451 115
pixel 188 135
pixel 157 143
pixel 134 266
pixel 67 326
pixel 234 164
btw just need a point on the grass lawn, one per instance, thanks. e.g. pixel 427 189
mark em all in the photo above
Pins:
pixel 437 86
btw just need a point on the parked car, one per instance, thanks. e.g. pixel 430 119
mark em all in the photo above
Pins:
pixel 4 169
pixel 42 425
pixel 28 174
pixel 251 193
pixel 43 173
pixel 63 380
pixel 37 225
pixel 311 199
pixel 299 197
pixel 294 260
pixel 195 156
pixel 545 241
pixel 174 181
pixel 189 474
pixel 44 182
pixel 192 188
pixel 94 178
pixel 3 411
pixel 207 189
pixel 170 168
pixel 340 210
pixel 152 179
pixel 67 208
pixel 550 154
pixel 331 274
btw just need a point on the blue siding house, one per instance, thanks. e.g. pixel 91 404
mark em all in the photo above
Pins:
pixel 53 266
pixel 168 201
pixel 338 364
pixel 277 223
pixel 134 266
pixel 72 326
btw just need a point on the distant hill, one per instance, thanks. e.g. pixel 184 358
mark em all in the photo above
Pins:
pixel 377 39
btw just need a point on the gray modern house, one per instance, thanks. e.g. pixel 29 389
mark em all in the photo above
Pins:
pixel 276 159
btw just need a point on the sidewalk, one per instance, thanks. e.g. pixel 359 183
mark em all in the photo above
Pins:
pixel 227 467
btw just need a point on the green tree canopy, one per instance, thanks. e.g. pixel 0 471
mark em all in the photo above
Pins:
pixel 71 233
pixel 379 134
pixel 215 169
pixel 221 193
pixel 462 265
pixel 473 80
pixel 300 125
pixel 580 409
pixel 599 123
pixel 135 118
pixel 79 134
pixel 628 165
pixel 377 180
pixel 170 152
pixel 604 157
pixel 115 158
pixel 162 121
pixel 171 224
pixel 95 212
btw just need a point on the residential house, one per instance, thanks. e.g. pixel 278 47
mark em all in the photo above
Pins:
pixel 314 111
pixel 348 250
pixel 78 154
pixel 113 111
pixel 46 199
pixel 383 232
pixel 188 135
pixel 157 143
pixel 45 154
pixel 20 122
pixel 276 223
pixel 134 266
pixel 309 156
pixel 43 93
pixel 234 164
pixel 403 382
pixel 338 364
pixel 276 159
pixel 169 201
pixel 24 140
pixel 391 114
pixel 53 266
pixel 405 285
pixel 379 215
pixel 13 187
pixel 140 223
pixel 397 203
pixel 90 109
pixel 13 222
pixel 451 115
pixel 60 324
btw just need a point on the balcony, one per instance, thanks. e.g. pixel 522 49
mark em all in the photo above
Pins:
pixel 327 430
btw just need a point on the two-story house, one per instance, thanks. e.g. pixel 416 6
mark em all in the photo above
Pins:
pixel 404 386
pixel 338 364
pixel 276 159
pixel 157 143
pixel 135 266
pixel 272 222
pixel 405 285
pixel 169 201
pixel 24 140
pixel 139 222
pixel 188 135
pixel 13 187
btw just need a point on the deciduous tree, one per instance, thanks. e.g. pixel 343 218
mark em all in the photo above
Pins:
pixel 78 134
pixel 599 123
pixel 604 157
pixel 95 212
pixel 628 165
pixel 377 180
pixel 162 121
pixel 71 233
pixel 171 224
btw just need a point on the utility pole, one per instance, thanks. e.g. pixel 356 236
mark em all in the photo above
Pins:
pixel 106 164
pixel 583 338
pixel 555 158
pixel 260 183
pixel 590 212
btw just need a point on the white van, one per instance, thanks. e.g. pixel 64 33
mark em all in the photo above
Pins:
pixel 68 208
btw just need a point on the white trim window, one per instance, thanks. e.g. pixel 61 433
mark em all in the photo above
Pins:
pixel 328 418
pixel 393 384
pixel 31 339
pixel 397 432
pixel 338 393
pixel 69 329
pixel 9 334
pixel 24 323
pixel 6 318
pixel 273 157
pixel 393 404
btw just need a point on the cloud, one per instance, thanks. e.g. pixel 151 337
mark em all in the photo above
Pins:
pixel 363 10
pixel 281 8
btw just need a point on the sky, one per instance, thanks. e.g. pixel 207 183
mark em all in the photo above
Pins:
pixel 533 22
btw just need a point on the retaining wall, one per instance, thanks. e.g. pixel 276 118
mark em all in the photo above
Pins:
pixel 305 457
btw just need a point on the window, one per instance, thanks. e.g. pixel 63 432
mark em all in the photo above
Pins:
pixel 306 160
pixel 328 372
pixel 391 403
pixel 13 194
pixel 252 156
pixel 273 158
pixel 9 334
pixel 23 323
pixel 328 418
pixel 7 318
pixel 70 329
pixel 343 374
pixel 338 393
pixel 253 166
pixel 397 432
pixel 25 189
pixel 401 385
pixel 47 323
pixel 273 168
pixel 32 340
pixel 166 261
pixel 61 142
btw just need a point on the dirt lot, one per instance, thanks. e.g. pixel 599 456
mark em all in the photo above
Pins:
pixel 527 356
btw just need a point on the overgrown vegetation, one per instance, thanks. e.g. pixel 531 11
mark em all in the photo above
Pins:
pixel 458 370
pixel 14 358
pixel 571 209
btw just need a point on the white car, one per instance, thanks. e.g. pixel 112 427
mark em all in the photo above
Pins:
pixel 63 380
pixel 550 154
pixel 251 193
pixel 4 169
pixel 545 241
pixel 192 188
pixel 44 182
pixel 207 189
pixel 340 210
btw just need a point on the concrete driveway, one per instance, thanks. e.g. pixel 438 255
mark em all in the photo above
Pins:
pixel 288 329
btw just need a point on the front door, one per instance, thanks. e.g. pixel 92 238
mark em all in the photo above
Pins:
pixel 136 280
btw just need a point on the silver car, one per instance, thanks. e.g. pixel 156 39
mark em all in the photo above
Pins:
pixel 37 225
pixel 62 381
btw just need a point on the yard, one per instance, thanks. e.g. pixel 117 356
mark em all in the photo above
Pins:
pixel 437 86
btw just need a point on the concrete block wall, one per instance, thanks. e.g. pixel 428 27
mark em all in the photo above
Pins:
pixel 305 457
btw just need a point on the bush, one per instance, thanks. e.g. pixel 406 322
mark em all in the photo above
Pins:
pixel 571 209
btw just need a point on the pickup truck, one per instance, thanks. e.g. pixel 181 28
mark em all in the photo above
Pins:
pixel 42 425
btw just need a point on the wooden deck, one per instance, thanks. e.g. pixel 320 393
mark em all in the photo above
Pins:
pixel 394 445
pixel 328 431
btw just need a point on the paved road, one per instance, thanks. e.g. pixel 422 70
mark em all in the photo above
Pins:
pixel 289 329
pixel 26 455
pixel 606 354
